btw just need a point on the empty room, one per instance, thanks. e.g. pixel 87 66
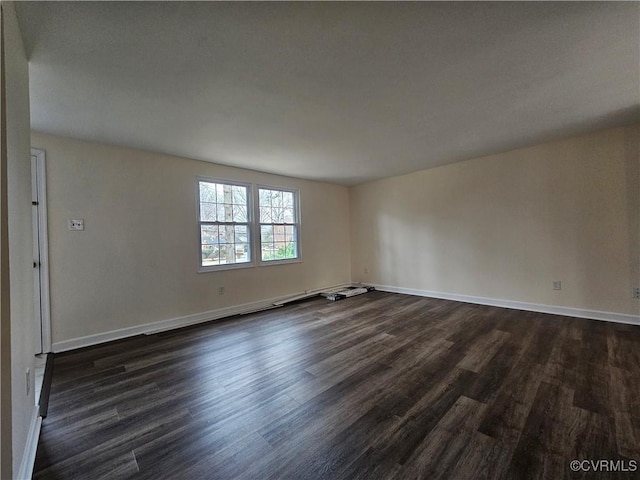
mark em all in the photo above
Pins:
pixel 320 240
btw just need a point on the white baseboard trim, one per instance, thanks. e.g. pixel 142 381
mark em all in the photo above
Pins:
pixel 532 307
pixel 178 322
pixel 30 447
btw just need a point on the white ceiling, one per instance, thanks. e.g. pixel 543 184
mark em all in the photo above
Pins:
pixel 344 92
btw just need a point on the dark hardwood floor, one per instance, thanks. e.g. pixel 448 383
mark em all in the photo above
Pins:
pixel 373 387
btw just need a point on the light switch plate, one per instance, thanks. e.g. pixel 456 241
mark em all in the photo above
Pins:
pixel 76 224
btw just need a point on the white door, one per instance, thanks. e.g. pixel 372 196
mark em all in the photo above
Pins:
pixel 40 252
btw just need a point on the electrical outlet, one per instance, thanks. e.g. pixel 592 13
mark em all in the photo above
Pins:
pixel 76 224
pixel 28 379
pixel 366 271
pixel 635 292
pixel 557 285
pixel 220 290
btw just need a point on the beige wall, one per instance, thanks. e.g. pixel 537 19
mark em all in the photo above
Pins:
pixel 507 225
pixel 20 237
pixel 501 227
pixel 136 261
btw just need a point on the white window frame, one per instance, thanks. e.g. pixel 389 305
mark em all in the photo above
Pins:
pixel 253 221
pixel 250 224
pixel 296 206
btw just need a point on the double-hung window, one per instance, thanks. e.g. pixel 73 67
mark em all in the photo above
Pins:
pixel 225 223
pixel 278 224
pixel 242 224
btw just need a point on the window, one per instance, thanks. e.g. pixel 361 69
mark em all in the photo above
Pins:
pixel 227 224
pixel 278 224
pixel 224 217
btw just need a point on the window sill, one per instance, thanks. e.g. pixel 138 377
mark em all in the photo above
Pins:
pixel 218 268
pixel 279 262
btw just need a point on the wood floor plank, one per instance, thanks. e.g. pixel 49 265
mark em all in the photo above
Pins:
pixel 490 379
pixel 482 350
pixel 102 467
pixel 378 386
pixel 564 360
pixel 402 440
pixel 627 427
pixel 511 406
pixel 439 452
pixel 592 391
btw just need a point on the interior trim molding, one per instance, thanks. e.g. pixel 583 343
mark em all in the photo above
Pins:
pixel 184 321
pixel 39 167
pixel 31 446
pixel 532 307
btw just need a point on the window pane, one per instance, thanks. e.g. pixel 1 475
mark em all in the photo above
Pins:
pixel 265 215
pixel 210 255
pixel 207 212
pixel 207 192
pixel 241 234
pixel 266 233
pixel 243 253
pixel 280 250
pixel 268 251
pixel 277 215
pixel 277 233
pixel 264 197
pixel 288 251
pixel 277 200
pixel 219 193
pixel 239 213
pixel 288 215
pixel 287 199
pixel 228 254
pixel 289 233
pixel 225 212
pixel 227 193
pixel 209 234
pixel 227 233
pixel 284 245
pixel 220 212
pixel 239 195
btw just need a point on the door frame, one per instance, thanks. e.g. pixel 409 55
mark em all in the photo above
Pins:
pixel 41 249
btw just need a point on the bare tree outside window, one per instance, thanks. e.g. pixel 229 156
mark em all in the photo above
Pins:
pixel 230 212
pixel 278 224
pixel 224 224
